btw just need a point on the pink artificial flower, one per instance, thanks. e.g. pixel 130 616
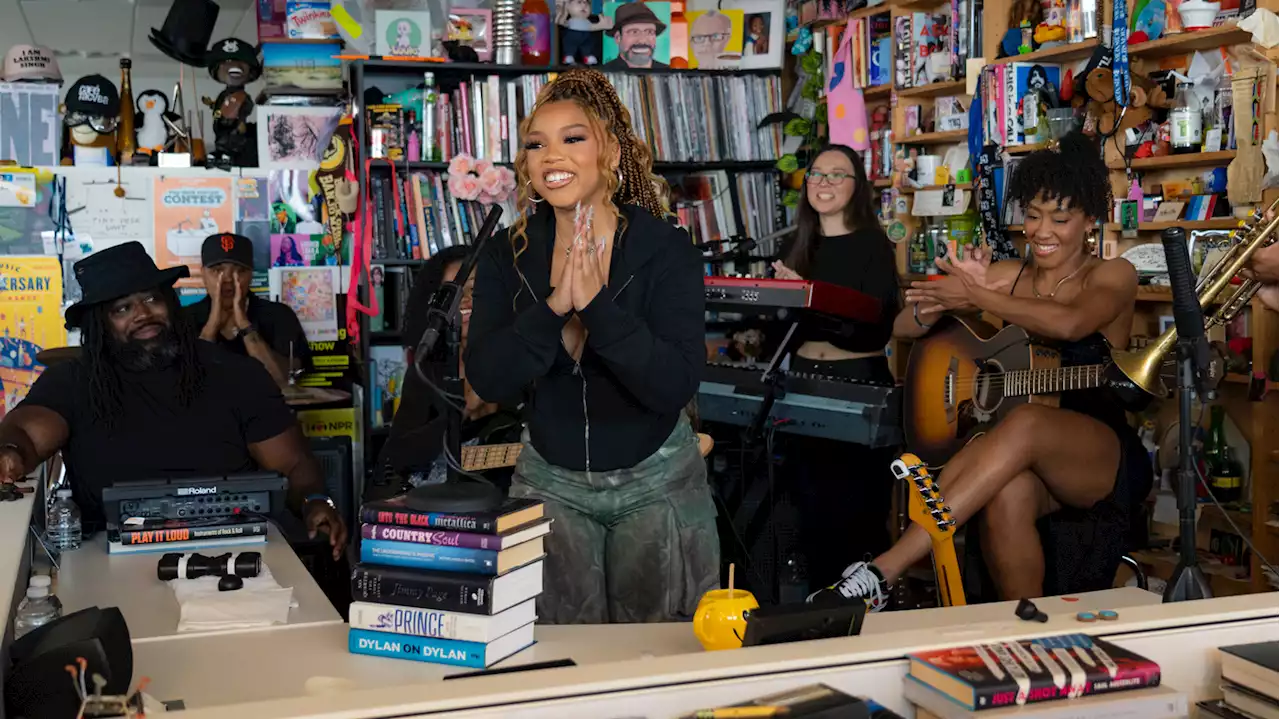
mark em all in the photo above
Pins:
pixel 491 183
pixel 461 164
pixel 481 167
pixel 508 178
pixel 464 187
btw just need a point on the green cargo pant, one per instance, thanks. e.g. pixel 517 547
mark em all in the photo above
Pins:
pixel 630 545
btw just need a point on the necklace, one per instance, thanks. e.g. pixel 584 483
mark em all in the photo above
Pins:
pixel 1058 286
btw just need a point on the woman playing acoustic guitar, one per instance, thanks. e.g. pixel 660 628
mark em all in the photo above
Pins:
pixel 1038 459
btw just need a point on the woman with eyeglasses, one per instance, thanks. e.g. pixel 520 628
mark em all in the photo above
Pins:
pixel 838 239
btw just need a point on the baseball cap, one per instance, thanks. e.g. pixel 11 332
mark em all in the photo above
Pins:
pixel 227 247
pixel 94 96
pixel 30 62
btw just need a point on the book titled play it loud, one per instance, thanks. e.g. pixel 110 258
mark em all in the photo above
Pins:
pixel 988 676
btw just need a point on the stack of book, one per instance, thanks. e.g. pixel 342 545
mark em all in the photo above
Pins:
pixel 447 588
pixel 1061 677
pixel 1250 683
pixel 138 535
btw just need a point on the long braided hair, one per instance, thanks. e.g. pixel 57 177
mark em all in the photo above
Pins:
pixel 611 122
pixel 105 392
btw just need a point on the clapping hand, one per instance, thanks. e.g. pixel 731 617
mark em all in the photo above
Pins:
pixel 240 309
pixel 588 277
pixel 782 272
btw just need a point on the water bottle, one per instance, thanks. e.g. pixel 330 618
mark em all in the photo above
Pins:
pixel 36 612
pixel 63 525
pixel 46 582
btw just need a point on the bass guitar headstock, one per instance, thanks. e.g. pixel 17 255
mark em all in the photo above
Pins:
pixel 925 505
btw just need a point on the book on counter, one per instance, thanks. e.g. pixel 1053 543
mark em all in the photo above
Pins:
pixel 815 701
pixel 471 540
pixel 436 557
pixel 411 621
pixel 514 512
pixel 1159 702
pixel 449 591
pixel 156 531
pixel 198 545
pixel 440 651
pixel 987 676
pixel 1250 683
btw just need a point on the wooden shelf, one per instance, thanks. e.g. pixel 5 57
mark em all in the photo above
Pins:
pixel 926 188
pixel 1062 53
pixel 1221 223
pixel 1237 378
pixel 1025 149
pixel 935 89
pixel 881 9
pixel 1184 43
pixel 883 183
pixel 937 138
pixel 1166 162
pixel 1154 293
pixel 876 91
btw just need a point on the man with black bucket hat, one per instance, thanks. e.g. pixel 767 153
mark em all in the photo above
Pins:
pixel 240 321
pixel 147 400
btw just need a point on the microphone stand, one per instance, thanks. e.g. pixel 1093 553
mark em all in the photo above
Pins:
pixel 1188 581
pixel 444 319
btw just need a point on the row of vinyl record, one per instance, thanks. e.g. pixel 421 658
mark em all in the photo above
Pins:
pixel 455 589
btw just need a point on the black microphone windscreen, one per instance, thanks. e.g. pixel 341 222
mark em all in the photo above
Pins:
pixel 1187 315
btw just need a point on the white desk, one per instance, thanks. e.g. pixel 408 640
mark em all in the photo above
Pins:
pixel 90 577
pixel 269 670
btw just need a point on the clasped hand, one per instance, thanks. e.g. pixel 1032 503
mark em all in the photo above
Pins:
pixel 581 279
pixel 221 321
pixel 955 291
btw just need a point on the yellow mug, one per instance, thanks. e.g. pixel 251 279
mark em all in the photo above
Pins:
pixel 720 621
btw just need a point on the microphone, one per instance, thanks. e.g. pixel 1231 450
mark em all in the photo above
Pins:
pixel 444 301
pixel 1187 315
pixel 739 252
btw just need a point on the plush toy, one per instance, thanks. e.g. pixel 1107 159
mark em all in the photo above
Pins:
pixel 581 32
pixel 234 63
pixel 90 113
pixel 1098 99
pixel 152 107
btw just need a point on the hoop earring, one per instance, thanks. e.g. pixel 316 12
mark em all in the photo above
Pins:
pixel 619 173
pixel 529 185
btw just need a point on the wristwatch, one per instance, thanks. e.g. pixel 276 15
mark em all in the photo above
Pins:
pixel 320 498
pixel 245 331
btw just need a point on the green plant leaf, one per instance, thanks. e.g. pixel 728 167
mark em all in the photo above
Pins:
pixel 791 198
pixel 787 163
pixel 798 127
pixel 811 63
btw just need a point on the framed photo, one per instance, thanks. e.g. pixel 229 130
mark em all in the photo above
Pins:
pixel 474 28
pixel 403 33
pixel 294 138
pixel 762 29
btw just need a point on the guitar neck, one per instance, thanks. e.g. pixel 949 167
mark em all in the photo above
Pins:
pixel 478 458
pixel 947 570
pixel 1053 379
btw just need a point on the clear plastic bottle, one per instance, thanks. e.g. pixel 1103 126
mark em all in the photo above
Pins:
pixel 36 612
pixel 63 526
pixel 1186 126
pixel 46 582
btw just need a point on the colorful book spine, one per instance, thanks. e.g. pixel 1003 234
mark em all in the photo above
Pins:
pixel 429 556
pixel 392 533
pixel 453 592
pixel 422 649
pixel 192 534
pixel 431 520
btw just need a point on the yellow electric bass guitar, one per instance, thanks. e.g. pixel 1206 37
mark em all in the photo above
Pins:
pixel 927 508
pixel 478 458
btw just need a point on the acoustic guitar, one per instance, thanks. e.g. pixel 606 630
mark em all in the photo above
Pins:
pixel 964 377
pixel 929 511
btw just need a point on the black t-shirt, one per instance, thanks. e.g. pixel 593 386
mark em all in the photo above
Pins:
pixel 275 321
pixel 156 437
pixel 862 260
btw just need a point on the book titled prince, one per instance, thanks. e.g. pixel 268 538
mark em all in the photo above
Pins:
pixel 987 676
pixel 417 622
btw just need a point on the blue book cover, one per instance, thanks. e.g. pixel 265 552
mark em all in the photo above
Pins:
pixel 429 556
pixel 421 649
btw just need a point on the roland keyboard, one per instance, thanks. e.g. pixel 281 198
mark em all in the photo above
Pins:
pixel 740 293
pixel 809 405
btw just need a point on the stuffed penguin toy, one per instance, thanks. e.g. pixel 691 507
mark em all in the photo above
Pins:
pixel 152 106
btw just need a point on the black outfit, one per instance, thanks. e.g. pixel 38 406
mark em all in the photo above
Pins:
pixel 644 352
pixel 1083 547
pixel 845 490
pixel 618 63
pixel 275 321
pixel 155 437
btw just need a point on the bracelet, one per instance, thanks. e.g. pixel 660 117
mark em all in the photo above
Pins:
pixel 915 314
pixel 245 331
pixel 319 498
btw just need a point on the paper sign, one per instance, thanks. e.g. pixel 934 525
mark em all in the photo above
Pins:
pixel 17 189
pixel 187 210
pixel 30 295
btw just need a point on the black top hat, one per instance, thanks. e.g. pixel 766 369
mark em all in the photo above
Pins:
pixel 634 13
pixel 233 48
pixel 117 272
pixel 187 30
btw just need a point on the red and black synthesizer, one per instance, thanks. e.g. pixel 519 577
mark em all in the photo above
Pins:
pixel 824 297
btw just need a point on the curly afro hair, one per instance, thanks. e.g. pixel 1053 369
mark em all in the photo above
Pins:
pixel 1073 174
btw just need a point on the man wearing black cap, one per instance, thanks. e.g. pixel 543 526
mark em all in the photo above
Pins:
pixel 635 30
pixel 147 400
pixel 239 321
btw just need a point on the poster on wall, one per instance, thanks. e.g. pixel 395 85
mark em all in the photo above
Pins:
pixel 30 295
pixel 29 123
pixel 187 210
pixel 312 293
pixel 94 210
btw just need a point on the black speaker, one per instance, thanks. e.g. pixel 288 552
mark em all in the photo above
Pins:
pixel 38 685
pixel 334 456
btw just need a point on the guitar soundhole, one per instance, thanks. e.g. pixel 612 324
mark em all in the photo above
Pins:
pixel 988 387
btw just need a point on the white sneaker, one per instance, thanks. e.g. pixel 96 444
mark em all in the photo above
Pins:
pixel 861 581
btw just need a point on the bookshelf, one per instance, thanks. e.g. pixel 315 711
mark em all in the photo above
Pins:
pixel 391 77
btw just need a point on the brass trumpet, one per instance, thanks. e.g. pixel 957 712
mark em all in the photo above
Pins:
pixel 1143 367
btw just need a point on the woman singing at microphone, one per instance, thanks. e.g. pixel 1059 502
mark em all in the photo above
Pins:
pixel 593 304
pixel 839 240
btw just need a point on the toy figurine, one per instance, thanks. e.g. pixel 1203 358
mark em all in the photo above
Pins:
pixel 580 37
pixel 234 63
pixel 91 112
pixel 152 134
pixel 1053 30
